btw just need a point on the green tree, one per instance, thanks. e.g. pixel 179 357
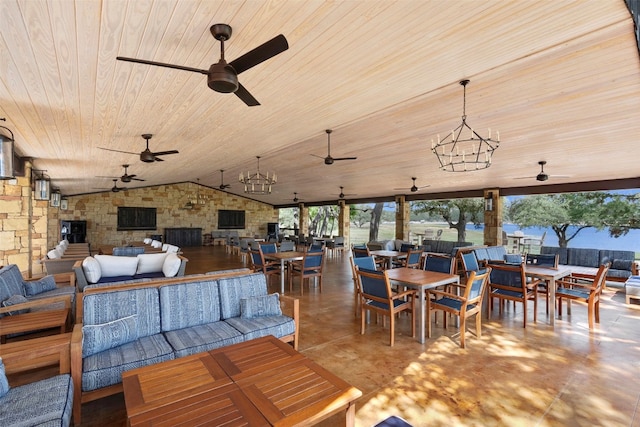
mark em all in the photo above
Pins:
pixel 359 215
pixel 457 212
pixel 618 213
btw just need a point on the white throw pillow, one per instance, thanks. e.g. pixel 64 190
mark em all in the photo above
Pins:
pixel 60 249
pixel 147 240
pixel 164 247
pixel 64 243
pixel 150 263
pixel 53 254
pixel 156 244
pixel 171 265
pixel 117 265
pixel 92 270
pixel 172 249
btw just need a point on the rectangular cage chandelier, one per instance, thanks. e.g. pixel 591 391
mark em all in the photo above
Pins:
pixel 464 149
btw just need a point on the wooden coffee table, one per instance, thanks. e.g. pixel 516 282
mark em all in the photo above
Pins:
pixel 261 382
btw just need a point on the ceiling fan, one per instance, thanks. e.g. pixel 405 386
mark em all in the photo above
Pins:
pixel 147 155
pixel 542 176
pixel 414 187
pixel 222 185
pixel 342 195
pixel 115 187
pixel 126 177
pixel 295 197
pixel 223 77
pixel 329 160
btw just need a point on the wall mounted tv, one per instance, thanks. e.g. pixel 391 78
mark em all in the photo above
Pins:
pixel 136 218
pixel 230 219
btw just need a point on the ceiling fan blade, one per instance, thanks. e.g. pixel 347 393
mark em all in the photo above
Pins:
pixel 162 64
pixel 163 153
pixel 137 179
pixel 315 155
pixel 158 159
pixel 267 50
pixel 103 176
pixel 344 158
pixel 525 177
pixel 245 96
pixel 117 151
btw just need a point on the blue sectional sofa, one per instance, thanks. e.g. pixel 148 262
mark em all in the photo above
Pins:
pixel 129 326
pixel 623 263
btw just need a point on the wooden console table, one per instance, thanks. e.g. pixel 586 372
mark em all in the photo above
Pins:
pixel 257 382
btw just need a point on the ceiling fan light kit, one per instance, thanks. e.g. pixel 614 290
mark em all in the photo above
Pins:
pixel 258 183
pixel 463 149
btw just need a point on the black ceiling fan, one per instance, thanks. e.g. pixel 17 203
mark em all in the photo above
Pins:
pixel 115 187
pixel 222 185
pixel 295 197
pixel 414 187
pixel 542 176
pixel 328 160
pixel 342 195
pixel 126 177
pixel 147 155
pixel 223 77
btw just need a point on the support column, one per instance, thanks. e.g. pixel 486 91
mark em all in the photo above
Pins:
pixel 492 217
pixel 403 212
pixel 303 219
pixel 344 222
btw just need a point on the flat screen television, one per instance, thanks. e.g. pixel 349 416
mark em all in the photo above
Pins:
pixel 228 219
pixel 132 218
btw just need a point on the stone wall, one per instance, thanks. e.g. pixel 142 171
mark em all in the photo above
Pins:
pixel 100 210
pixel 23 225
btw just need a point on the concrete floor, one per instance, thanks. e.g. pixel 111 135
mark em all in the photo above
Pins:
pixel 511 376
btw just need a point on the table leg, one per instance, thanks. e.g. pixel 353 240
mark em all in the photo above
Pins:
pixel 422 302
pixel 350 418
pixel 552 301
pixel 282 276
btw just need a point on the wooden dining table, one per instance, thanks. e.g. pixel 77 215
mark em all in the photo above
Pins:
pixel 421 280
pixel 284 257
pixel 388 256
pixel 550 275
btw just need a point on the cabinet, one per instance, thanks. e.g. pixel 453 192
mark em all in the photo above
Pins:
pixel 74 231
pixel 183 236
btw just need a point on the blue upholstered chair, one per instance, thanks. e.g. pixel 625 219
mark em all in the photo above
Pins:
pixel 509 283
pixel 470 263
pixel 439 263
pixel 376 295
pixel 310 266
pixel 269 248
pixel 362 263
pixel 583 290
pixel 543 260
pixel 259 264
pixel 413 259
pixel 287 246
pixel 464 306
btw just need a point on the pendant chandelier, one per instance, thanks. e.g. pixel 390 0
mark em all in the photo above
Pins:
pixel 258 183
pixel 464 149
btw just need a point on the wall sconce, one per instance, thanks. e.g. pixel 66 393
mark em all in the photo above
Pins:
pixel 42 186
pixel 64 204
pixel 6 154
pixel 56 197
pixel 488 201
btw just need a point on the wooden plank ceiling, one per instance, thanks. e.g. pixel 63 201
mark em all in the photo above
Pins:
pixel 560 80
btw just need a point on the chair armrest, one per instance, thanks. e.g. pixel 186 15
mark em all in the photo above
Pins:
pixel 39 302
pixel 445 294
pixel 408 292
pixel 76 370
pixel 570 284
pixel 26 355
pixel 291 307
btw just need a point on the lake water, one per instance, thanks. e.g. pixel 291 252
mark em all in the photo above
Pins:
pixel 586 238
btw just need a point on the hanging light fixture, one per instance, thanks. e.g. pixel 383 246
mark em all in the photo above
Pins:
pixel 56 196
pixel 42 185
pixel 258 183
pixel 6 154
pixel 464 149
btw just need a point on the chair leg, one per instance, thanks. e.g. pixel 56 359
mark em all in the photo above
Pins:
pixel 462 328
pixel 392 318
pixel 478 324
pixel 363 309
pixel 428 316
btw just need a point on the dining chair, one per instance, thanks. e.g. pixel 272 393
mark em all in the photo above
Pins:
pixel 258 263
pixel 440 263
pixel 377 296
pixel 360 252
pixel 470 263
pixel 464 306
pixel 584 290
pixel 363 263
pixel 509 283
pixel 413 259
pixel 268 248
pixel 287 246
pixel 543 260
pixel 310 266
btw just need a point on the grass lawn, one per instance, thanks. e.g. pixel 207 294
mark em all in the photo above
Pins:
pixel 387 231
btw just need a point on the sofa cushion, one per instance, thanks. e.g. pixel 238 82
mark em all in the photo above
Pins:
pixel 91 269
pixel 201 338
pixel 150 263
pixel 256 327
pixel 171 265
pixel 53 254
pixel 127 250
pixel 262 305
pixel 553 250
pixel 105 368
pixel 103 307
pixel 35 287
pixel 117 265
pixel 189 304
pixel 4 383
pixel 232 289
pixel 13 300
pixel 47 402
pixel 621 264
pixel 583 257
pixel 97 338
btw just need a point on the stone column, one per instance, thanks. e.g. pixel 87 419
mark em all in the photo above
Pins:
pixel 344 222
pixel 303 219
pixel 403 213
pixel 492 217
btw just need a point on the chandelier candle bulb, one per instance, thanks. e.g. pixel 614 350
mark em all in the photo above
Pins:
pixel 489 133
